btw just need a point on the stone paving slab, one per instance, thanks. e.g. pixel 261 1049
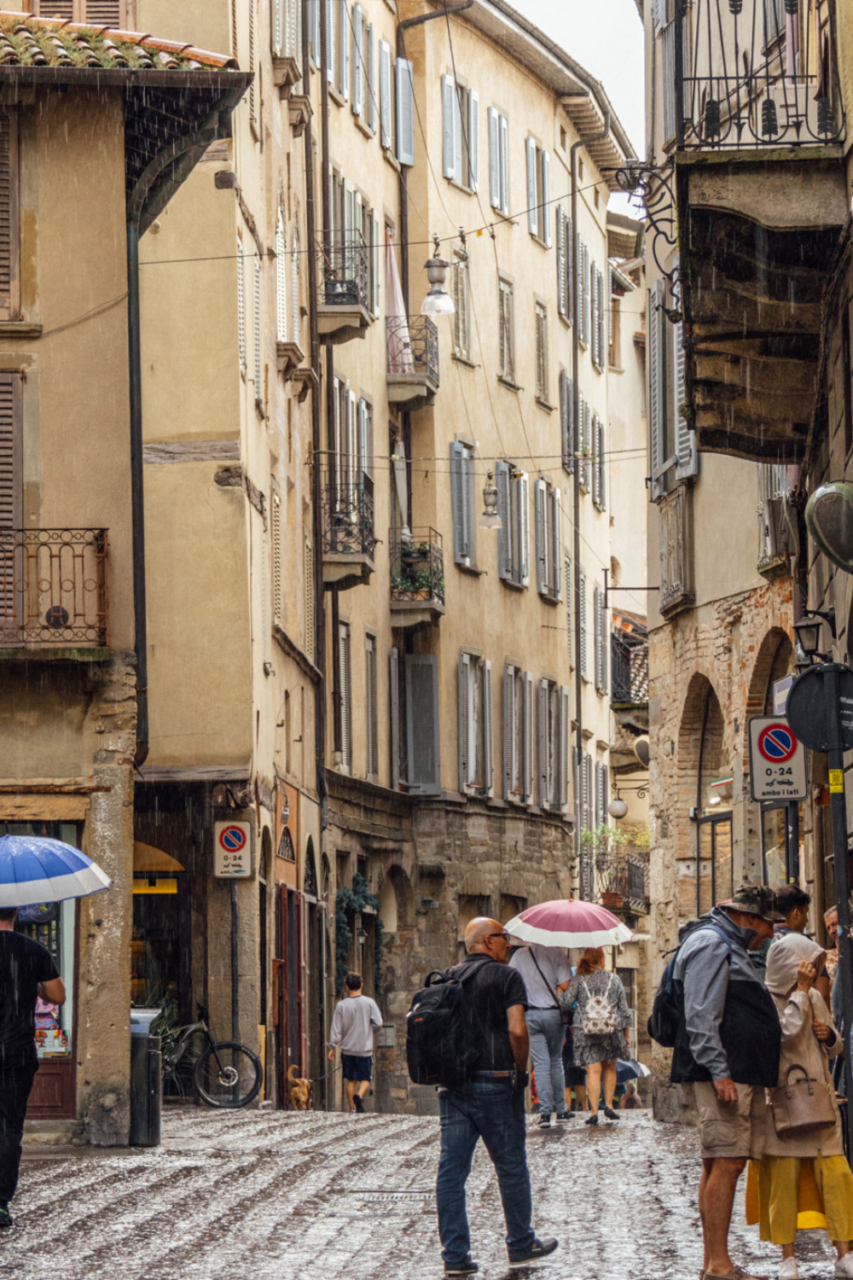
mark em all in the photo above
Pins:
pixel 284 1196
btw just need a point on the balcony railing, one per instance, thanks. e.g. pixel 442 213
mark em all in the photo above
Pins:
pixel 342 269
pixel 53 588
pixel 413 346
pixel 629 668
pixel 417 566
pixel 347 514
pixel 753 73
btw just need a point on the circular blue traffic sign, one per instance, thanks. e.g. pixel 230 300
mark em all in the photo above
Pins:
pixel 777 743
pixel 232 839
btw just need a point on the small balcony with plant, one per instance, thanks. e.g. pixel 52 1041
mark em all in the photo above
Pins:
pixel 413 369
pixel 417 577
pixel 343 281
pixel 348 530
pixel 614 869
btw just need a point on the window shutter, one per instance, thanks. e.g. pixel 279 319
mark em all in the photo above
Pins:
pixel 459 500
pixel 527 709
pixel 275 548
pixel 422 730
pixel 541 538
pixel 241 306
pixel 372 717
pixel 596 475
pixel 11 472
pixel 371 77
pixel 352 448
pixel 375 261
pixel 532 209
pixel 609 311
pixel 562 278
pixel 570 281
pixel 277 28
pixel 543 744
pixel 567 575
pixel 579 284
pixel 555 580
pixel 281 280
pixel 596 311
pixel 596 625
pixel 405 113
pixel 257 334
pixel 384 93
pixel 576 793
pixel 494 159
pixel 509 737
pixel 344 49
pixel 394 707
pixel 565 422
pixel 545 211
pixel 658 16
pixel 308 584
pixel 587 787
pixel 458 137
pixel 524 526
pixel 331 7
pixel 488 743
pixel 605 643
pixel 357 60
pixel 473 140
pixel 345 677
pixel 602 468
pixel 587 293
pixel 293 30
pixel 448 118
pixel 314 30
pixel 582 625
pixel 505 557
pixel 96 13
pixel 504 154
pixel 598 794
pixel 657 351
pixel 294 285
pixel 685 436
pixel 464 721
pixel 563 730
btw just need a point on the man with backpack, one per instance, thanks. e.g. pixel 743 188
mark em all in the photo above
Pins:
pixel 727 1038
pixel 483 1078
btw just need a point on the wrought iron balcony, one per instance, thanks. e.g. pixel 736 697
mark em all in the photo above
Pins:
pixel 343 281
pixel 752 73
pixel 348 528
pixel 417 577
pixel 619 879
pixel 53 588
pixel 413 370
pixel 629 669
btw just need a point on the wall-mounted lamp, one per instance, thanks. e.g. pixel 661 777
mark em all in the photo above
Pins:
pixel 808 630
pixel 490 518
pixel 438 301
pixel 361 936
pixel 617 807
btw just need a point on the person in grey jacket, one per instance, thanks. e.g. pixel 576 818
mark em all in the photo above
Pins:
pixel 353 1023
pixel 546 972
pixel 726 1054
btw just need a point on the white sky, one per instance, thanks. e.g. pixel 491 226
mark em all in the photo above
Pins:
pixel 605 37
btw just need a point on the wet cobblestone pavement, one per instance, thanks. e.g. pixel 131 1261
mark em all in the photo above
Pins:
pixel 276 1196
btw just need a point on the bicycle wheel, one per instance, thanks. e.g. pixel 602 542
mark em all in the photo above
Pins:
pixel 228 1075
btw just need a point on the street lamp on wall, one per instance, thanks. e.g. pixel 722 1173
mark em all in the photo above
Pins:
pixel 438 301
pixel 361 937
pixel 807 631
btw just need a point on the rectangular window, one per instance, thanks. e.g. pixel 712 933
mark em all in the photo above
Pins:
pixel 386 106
pixel 506 352
pixel 538 191
pixel 498 161
pixel 364 443
pixel 602 793
pixel 567 423
pixel 275 555
pixel 372 718
pixel 554 726
pixel 281 272
pixel 358 60
pixel 332 44
pixel 475 725
pixel 773 492
pixel 517 737
pixel 405 112
pixel 308 585
pixel 422 765
pixel 461 282
pixel 673 451
pixel 462 499
pixel 602 640
pixel 345 694
pixel 585 444
pixel 595 307
pixel 615 354
pixel 598 464
pixel 513 488
pixel 460 108
pixel 101 13
pixel 582 626
pixel 241 307
pixel 567 580
pixel 541 325
pixel 549 540
pixel 370 60
pixel 565 261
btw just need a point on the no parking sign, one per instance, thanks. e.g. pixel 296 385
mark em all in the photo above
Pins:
pixel 232 850
pixel 777 760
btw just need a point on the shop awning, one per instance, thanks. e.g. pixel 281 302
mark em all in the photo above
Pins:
pixel 148 860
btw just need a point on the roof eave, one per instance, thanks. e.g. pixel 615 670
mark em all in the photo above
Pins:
pixel 125 78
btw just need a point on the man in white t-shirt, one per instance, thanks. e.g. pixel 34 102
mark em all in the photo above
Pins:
pixel 545 972
pixel 352 1028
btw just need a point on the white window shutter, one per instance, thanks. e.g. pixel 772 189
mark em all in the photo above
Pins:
pixel 241 306
pixel 465 762
pixel 385 93
pixel 278 28
pixel 295 315
pixel 567 575
pixel 504 164
pixel 587 293
pixel 554 575
pixel 541 538
pixel 545 211
pixel 685 436
pixel 448 119
pixel 532 209
pixel 527 709
pixel 488 744
pixel 357 60
pixel 564 729
pixel 509 736
pixel 596 626
pixel 459 501
pixel 371 77
pixel 596 474
pixel 570 271
pixel 602 468
pixel 543 744
pixel 405 113
pixel 596 305
pixel 657 384
pixel 344 48
pixel 394 709
pixel 524 526
pixel 458 175
pixel 562 279
pixel 281 280
pixel 473 140
pixel 578 263
pixel 494 159
pixel 256 336
pixel 375 261
pixel 582 625
pixel 331 8
pixel 505 548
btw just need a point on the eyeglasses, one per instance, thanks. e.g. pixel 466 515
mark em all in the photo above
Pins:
pixel 506 937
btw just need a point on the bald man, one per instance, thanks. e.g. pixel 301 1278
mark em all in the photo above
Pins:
pixel 490 1105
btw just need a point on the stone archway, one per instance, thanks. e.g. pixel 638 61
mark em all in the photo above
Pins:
pixel 774 660
pixel 701 758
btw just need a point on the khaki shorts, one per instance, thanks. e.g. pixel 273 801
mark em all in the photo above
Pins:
pixel 728 1131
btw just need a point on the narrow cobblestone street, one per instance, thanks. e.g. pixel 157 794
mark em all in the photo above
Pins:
pixel 320 1197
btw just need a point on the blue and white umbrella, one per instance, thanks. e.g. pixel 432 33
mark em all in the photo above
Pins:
pixel 35 869
pixel 629 1069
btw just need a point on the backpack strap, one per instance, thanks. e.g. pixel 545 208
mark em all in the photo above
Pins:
pixel 545 980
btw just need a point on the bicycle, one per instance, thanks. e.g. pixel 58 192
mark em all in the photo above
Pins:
pixel 225 1074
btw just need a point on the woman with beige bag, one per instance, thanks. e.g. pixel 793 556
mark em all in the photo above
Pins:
pixel 803 1178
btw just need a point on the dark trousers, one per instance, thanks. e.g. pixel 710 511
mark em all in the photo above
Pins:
pixel 493 1111
pixel 15 1086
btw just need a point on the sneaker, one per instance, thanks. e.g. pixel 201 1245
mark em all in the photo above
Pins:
pixel 359 1104
pixel 610 1113
pixel 592 1119
pixel 539 1249
pixel 545 1120
pixel 790 1271
pixel 6 1217
pixel 562 1116
pixel 736 1273
pixel 466 1268
pixel 844 1267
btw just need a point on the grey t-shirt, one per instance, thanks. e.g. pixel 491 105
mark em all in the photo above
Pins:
pixel 555 966
pixel 352 1026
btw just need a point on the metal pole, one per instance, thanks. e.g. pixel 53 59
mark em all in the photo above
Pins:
pixel 838 808
pixel 235 975
pixel 679 75
pixel 792 842
pixel 137 497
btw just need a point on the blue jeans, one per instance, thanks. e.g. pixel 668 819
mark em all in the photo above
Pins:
pixel 547 1033
pixel 493 1111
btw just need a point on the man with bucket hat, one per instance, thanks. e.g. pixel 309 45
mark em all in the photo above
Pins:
pixel 726 1052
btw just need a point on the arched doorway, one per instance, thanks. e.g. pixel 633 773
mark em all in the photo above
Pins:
pixel 315 1014
pixel 705 788
pixel 775 827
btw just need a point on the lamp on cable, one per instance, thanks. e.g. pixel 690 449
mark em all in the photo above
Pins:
pixel 438 301
pixel 490 518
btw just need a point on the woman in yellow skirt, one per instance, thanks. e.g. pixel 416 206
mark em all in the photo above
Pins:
pixel 803 1180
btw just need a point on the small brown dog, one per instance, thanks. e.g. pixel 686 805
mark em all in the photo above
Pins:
pixel 300 1090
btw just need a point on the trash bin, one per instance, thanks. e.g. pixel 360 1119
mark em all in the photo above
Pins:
pixel 146 1080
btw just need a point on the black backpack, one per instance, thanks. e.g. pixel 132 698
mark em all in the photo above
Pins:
pixel 441 1046
pixel 668 1006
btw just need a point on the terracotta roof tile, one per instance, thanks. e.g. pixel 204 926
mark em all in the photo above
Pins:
pixel 26 41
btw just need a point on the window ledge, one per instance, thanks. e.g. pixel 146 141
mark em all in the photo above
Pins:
pixel 549 599
pixel 336 96
pixel 543 404
pixel 470 569
pixel 20 329
pixel 464 360
pixel 513 586
pixel 365 128
pixel 392 160
pixel 615 368
pixel 466 191
pixel 566 321
pixel 539 240
pixel 510 386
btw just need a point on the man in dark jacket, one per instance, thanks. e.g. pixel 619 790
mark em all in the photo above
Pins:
pixel 726 1053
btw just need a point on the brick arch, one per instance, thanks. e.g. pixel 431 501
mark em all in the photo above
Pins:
pixel 700 713
pixel 774 660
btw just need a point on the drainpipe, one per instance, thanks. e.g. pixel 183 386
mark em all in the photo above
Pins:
pixel 137 510
pixel 576 393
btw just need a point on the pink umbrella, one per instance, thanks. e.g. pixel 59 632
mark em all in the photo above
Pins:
pixel 567 923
